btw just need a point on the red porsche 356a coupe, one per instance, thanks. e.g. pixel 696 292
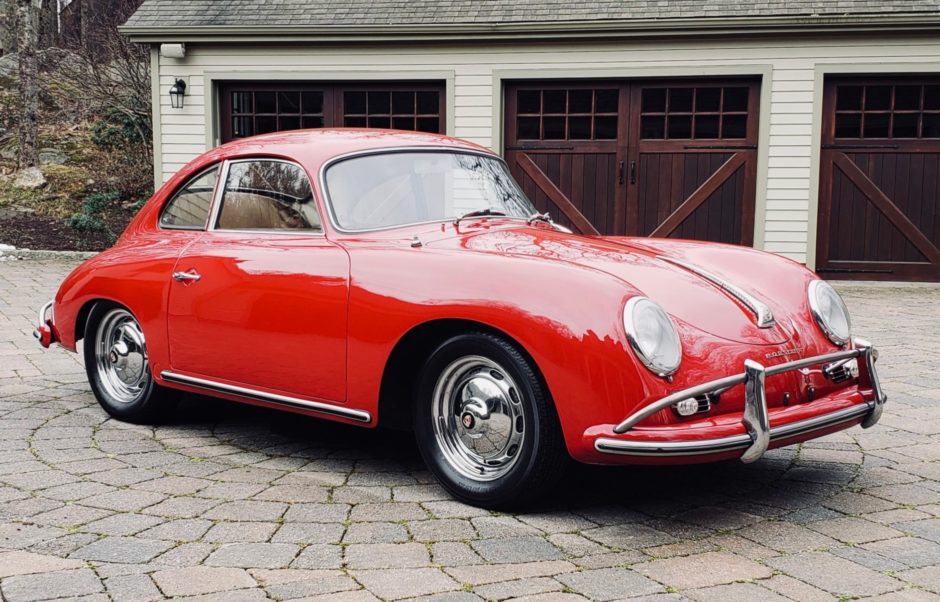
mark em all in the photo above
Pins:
pixel 376 277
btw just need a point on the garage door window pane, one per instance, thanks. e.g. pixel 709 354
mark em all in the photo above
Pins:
pixel 288 123
pixel 428 103
pixel 605 101
pixel 877 98
pixel 403 102
pixel 905 126
pixel 313 121
pixel 706 126
pixel 876 125
pixel 907 97
pixel 735 99
pixel 189 208
pixel 267 195
pixel 653 127
pixel 931 125
pixel 849 98
pixel 931 97
pixel 580 101
pixel 605 128
pixel 379 102
pixel 654 100
pixel 680 126
pixel 554 128
pixel 848 125
pixel 266 102
pixel 529 101
pixel 680 100
pixel 312 102
pixel 528 128
pixel 264 125
pixel 354 103
pixel 554 101
pixel 708 99
pixel 242 127
pixel 430 125
pixel 288 102
pixel 242 102
pixel 579 128
pixel 734 126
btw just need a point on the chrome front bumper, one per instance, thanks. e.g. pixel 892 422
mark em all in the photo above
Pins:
pixel 755 419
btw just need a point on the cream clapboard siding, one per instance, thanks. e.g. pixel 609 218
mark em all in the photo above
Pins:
pixel 792 72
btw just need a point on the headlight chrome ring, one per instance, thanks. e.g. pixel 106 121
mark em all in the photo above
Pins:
pixel 830 312
pixel 652 335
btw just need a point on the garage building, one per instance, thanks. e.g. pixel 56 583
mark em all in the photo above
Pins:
pixel 809 128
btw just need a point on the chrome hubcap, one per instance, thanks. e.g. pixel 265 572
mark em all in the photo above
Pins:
pixel 478 418
pixel 121 357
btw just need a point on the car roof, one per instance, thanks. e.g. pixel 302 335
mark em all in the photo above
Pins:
pixel 314 147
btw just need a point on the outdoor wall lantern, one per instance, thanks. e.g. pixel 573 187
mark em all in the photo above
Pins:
pixel 177 92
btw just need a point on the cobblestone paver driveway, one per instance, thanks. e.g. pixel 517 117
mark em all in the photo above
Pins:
pixel 233 503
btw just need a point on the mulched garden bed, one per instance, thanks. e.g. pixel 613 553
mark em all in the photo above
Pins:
pixel 27 231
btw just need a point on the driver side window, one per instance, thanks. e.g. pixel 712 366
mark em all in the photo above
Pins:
pixel 266 194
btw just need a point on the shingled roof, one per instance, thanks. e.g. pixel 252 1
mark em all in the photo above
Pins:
pixel 396 16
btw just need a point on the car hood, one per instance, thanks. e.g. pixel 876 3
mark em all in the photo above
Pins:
pixel 686 295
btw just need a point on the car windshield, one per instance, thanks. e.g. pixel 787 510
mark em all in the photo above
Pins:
pixel 390 189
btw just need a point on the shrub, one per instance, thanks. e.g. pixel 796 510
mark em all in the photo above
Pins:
pixel 89 218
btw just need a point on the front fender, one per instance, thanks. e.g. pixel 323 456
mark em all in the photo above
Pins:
pixel 573 331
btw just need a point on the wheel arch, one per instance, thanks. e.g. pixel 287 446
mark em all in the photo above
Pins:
pixel 399 377
pixel 81 318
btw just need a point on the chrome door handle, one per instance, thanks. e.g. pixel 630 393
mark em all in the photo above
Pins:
pixel 190 276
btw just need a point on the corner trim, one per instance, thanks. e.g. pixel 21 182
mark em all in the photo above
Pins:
pixel 156 117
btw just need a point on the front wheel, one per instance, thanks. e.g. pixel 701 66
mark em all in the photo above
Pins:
pixel 485 424
pixel 118 368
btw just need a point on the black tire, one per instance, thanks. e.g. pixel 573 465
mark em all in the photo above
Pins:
pixel 145 402
pixel 540 456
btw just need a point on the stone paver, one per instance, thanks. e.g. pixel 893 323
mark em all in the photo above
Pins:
pixel 238 504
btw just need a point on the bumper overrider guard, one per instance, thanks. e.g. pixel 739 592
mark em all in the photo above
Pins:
pixel 43 331
pixel 756 421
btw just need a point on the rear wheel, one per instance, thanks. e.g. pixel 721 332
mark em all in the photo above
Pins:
pixel 118 369
pixel 485 424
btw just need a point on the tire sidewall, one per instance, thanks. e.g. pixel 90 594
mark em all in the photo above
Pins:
pixel 509 486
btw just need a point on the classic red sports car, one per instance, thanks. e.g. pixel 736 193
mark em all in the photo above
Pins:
pixel 376 277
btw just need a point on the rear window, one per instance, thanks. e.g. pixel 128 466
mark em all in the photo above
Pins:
pixel 189 207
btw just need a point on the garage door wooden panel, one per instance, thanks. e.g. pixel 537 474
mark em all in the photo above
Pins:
pixel 880 180
pixel 683 162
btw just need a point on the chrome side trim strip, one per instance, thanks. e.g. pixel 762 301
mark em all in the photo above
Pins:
pixel 323 408
pixel 762 314
pixel 725 444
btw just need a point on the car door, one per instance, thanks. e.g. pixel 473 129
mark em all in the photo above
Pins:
pixel 259 299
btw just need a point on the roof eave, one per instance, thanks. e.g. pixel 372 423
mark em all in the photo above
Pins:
pixel 711 26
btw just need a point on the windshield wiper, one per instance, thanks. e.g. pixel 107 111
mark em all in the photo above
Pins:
pixel 488 212
pixel 540 217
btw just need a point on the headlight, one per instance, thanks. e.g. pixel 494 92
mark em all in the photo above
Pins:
pixel 830 312
pixel 652 335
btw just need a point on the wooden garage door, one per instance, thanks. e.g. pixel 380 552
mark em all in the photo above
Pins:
pixel 879 192
pixel 653 158
pixel 248 108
